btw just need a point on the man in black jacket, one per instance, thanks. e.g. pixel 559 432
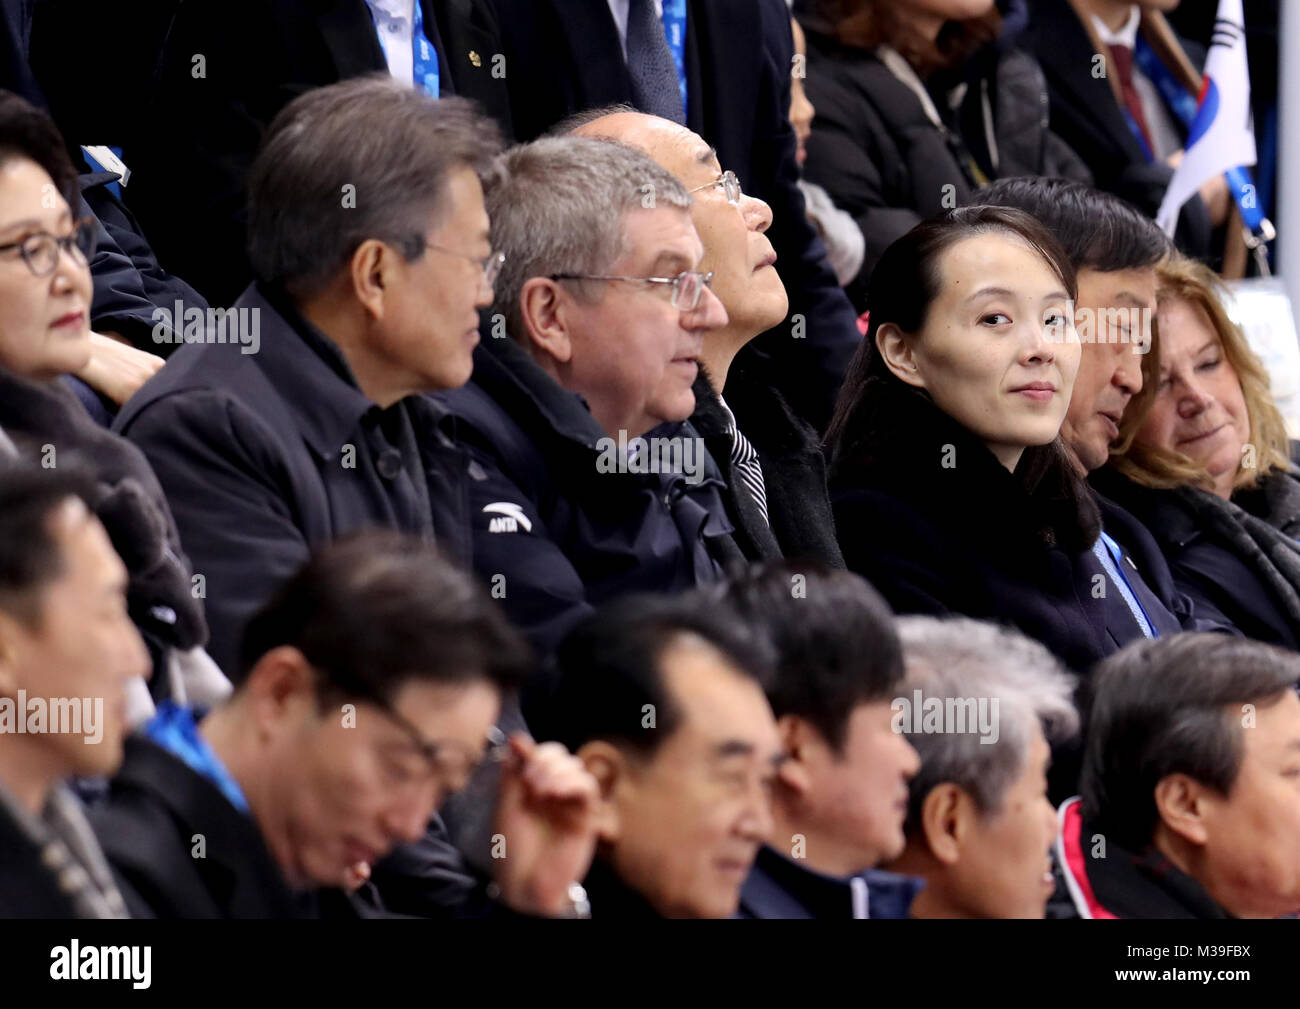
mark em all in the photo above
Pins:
pixel 367 691
pixel 228 66
pixel 589 486
pixel 1190 807
pixel 567 56
pixel 67 652
pixel 769 458
pixel 840 796
pixel 300 419
pixel 662 699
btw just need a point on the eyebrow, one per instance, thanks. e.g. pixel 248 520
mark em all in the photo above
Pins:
pixel 1132 299
pixel 31 222
pixel 666 261
pixel 707 156
pixel 733 748
pixel 1006 292
pixel 1208 346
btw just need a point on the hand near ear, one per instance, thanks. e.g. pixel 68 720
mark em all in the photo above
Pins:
pixel 546 815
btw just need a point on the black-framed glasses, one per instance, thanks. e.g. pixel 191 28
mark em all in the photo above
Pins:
pixel 729 183
pixel 687 287
pixel 41 251
pixel 490 265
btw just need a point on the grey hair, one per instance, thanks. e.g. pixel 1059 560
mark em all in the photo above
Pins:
pixel 367 158
pixel 559 205
pixel 959 658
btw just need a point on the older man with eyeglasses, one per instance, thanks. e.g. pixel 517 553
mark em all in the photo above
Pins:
pixel 592 484
pixel 770 459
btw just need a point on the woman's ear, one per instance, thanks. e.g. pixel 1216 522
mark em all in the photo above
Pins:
pixel 896 350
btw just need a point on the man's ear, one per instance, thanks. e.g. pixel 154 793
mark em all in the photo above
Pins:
pixel 543 308
pixel 608 766
pixel 1181 806
pixel 798 738
pixel 896 349
pixel 281 682
pixel 371 273
pixel 946 821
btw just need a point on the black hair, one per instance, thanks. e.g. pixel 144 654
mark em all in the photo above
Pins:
pixel 1098 231
pixel 30 557
pixel 610 667
pixel 27 132
pixel 375 610
pixel 834 638
pixel 904 285
pixel 1171 706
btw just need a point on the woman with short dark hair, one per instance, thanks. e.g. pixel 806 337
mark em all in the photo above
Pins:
pixel 951 488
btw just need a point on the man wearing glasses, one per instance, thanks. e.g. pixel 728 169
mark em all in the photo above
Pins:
pixel 770 458
pixel 370 241
pixel 366 692
pixel 600 318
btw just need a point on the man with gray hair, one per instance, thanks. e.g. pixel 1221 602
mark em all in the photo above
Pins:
pixel 980 704
pixel 592 486
pixel 369 239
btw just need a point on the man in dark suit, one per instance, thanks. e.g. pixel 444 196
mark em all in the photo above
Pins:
pixel 228 66
pixel 1113 115
pixel 567 56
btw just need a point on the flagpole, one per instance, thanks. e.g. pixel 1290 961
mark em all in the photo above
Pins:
pixel 1288 151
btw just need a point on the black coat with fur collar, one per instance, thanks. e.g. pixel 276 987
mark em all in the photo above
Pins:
pixel 927 513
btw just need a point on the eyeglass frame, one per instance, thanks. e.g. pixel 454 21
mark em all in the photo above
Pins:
pixel 729 183
pixel 706 280
pixel 490 264
pixel 63 243
pixel 494 752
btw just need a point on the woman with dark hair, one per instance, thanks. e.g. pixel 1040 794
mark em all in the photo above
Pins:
pixel 45 294
pixel 920 102
pixel 951 488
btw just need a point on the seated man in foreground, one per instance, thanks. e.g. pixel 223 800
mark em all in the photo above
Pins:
pixel 662 700
pixel 981 704
pixel 1191 806
pixel 68 650
pixel 367 692
pixel 841 792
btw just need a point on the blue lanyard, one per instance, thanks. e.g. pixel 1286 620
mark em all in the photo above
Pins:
pixel 1185 106
pixel 1117 555
pixel 675 29
pixel 425 63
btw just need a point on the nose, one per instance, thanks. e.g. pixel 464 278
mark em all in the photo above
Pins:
pixel 1196 399
pixel 756 822
pixel 1038 347
pixel 408 818
pixel 1128 371
pixel 758 215
pixel 707 315
pixel 911 762
pixel 136 663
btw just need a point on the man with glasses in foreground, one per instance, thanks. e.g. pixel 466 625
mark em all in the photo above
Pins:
pixel 370 242
pixel 366 692
pixel 593 487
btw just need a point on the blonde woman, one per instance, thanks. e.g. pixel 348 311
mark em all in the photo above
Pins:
pixel 1207 466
